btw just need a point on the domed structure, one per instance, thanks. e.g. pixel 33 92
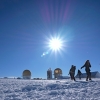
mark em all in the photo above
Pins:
pixel 57 72
pixel 26 74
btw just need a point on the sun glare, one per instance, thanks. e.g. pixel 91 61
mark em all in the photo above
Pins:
pixel 55 44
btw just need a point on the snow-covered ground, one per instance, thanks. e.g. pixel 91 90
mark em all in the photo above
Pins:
pixel 14 89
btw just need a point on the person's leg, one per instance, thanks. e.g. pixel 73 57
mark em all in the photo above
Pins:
pixel 87 75
pixel 74 78
pixel 71 76
pixel 87 78
pixel 80 77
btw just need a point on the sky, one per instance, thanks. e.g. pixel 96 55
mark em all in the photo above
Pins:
pixel 26 27
pixel 12 89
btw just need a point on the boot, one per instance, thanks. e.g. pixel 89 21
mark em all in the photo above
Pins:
pixel 87 78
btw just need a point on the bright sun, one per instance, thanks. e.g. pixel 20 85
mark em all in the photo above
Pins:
pixel 55 44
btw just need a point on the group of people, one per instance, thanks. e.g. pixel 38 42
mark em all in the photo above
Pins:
pixel 87 66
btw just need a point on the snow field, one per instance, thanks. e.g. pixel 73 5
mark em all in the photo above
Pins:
pixel 14 89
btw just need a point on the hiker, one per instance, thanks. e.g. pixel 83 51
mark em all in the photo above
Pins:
pixel 72 72
pixel 79 74
pixel 87 66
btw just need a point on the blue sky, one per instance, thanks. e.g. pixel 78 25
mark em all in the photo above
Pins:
pixel 26 26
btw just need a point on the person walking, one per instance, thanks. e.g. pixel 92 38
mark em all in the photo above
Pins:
pixel 79 74
pixel 72 72
pixel 87 66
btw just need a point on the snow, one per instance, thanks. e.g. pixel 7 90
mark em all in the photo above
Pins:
pixel 19 89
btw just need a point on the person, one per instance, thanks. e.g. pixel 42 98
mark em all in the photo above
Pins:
pixel 87 66
pixel 72 72
pixel 79 74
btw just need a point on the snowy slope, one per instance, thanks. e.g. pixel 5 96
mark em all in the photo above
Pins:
pixel 13 89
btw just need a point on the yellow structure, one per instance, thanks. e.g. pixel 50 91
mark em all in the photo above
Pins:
pixel 57 72
pixel 26 74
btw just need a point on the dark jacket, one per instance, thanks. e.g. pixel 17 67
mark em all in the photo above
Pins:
pixel 72 70
pixel 87 66
pixel 79 72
